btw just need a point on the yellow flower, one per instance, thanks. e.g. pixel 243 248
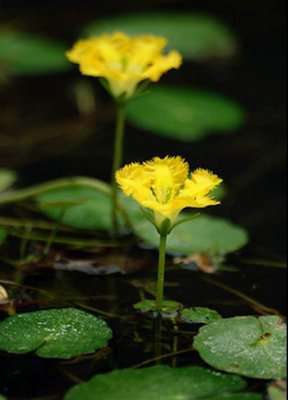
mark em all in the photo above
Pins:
pixel 124 61
pixel 165 186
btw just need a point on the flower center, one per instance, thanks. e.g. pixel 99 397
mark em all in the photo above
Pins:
pixel 163 184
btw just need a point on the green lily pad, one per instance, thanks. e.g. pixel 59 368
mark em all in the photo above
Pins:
pixel 3 235
pixel 56 333
pixel 25 54
pixel 78 207
pixel 195 36
pixel 250 346
pixel 85 208
pixel 200 315
pixel 2 397
pixel 189 115
pixel 158 383
pixel 7 178
pixel 204 234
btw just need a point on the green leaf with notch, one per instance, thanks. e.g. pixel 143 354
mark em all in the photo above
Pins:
pixel 55 333
pixel 249 346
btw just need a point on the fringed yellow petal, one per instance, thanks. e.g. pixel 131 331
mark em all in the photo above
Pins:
pixel 162 64
pixel 201 183
pixel 162 185
pixel 124 61
pixel 134 182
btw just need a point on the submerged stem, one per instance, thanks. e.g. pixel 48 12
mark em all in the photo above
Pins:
pixel 161 271
pixel 117 160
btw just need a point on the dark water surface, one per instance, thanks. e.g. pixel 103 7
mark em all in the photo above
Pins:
pixel 62 143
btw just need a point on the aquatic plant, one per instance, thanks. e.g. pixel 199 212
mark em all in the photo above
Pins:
pixel 124 65
pixel 163 187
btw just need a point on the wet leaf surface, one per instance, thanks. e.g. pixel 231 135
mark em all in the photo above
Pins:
pixel 200 315
pixel 58 333
pixel 250 346
pixel 205 234
pixel 195 36
pixel 158 383
pixel 189 115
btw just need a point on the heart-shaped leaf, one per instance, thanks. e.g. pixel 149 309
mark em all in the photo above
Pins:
pixel 195 36
pixel 189 115
pixel 55 333
pixel 27 54
pixel 204 234
pixel 250 346
pixel 159 383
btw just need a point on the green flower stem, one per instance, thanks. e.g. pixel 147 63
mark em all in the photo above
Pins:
pixel 117 160
pixel 161 271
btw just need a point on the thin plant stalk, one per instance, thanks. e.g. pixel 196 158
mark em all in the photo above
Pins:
pixel 161 272
pixel 117 160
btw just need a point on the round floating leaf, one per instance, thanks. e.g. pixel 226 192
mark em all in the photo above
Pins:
pixel 189 115
pixel 195 36
pixel 250 346
pixel 57 333
pixel 23 53
pixel 3 235
pixel 7 178
pixel 158 383
pixel 78 207
pixel 200 315
pixel 204 234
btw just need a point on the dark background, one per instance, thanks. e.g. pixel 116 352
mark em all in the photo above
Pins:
pixel 252 162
